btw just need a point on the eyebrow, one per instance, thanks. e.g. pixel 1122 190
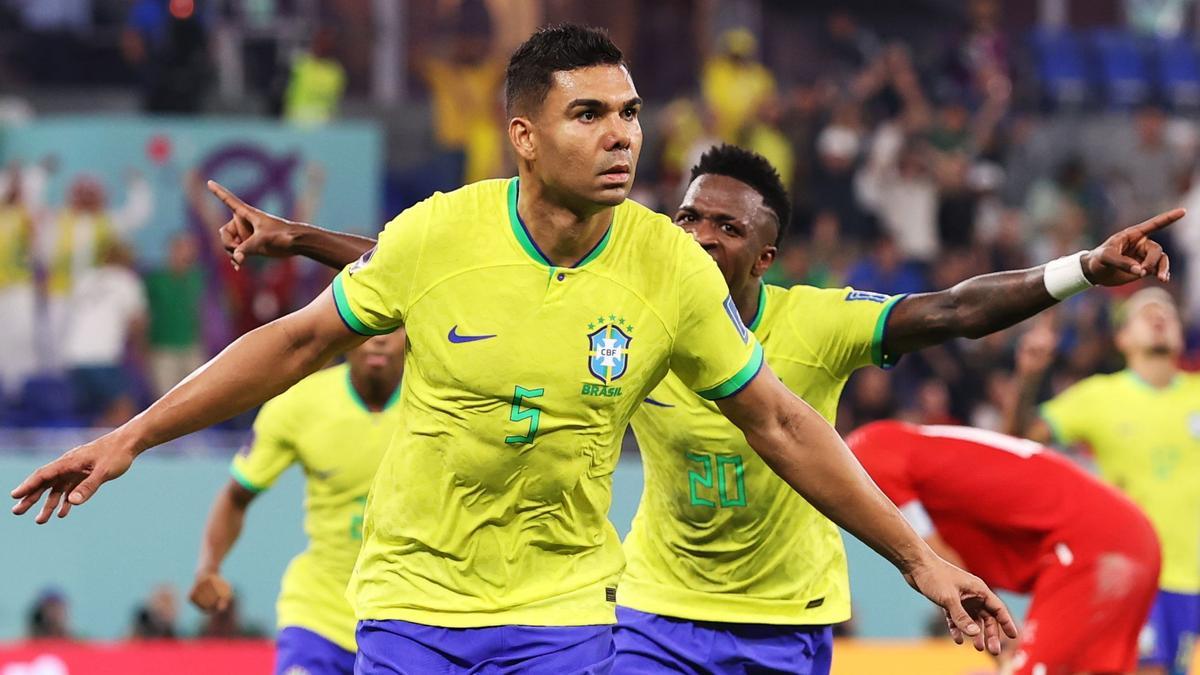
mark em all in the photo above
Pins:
pixel 596 103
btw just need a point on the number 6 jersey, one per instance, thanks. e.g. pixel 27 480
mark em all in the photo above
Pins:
pixel 491 506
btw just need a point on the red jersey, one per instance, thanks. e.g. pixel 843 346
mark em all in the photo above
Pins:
pixel 1003 503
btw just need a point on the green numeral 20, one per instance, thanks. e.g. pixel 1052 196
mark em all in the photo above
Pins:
pixel 703 482
pixel 520 413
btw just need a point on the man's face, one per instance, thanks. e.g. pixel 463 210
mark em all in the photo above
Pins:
pixel 728 218
pixel 1154 328
pixel 586 137
pixel 381 356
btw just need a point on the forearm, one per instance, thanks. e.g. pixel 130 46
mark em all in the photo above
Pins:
pixel 973 308
pixel 807 453
pixel 221 532
pixel 255 368
pixel 333 249
pixel 1020 409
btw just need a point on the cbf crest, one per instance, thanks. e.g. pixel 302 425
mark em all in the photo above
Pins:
pixel 608 348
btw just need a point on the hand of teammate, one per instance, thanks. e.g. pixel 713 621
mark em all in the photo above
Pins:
pixel 1036 349
pixel 211 592
pixel 73 478
pixel 251 231
pixel 1130 255
pixel 972 609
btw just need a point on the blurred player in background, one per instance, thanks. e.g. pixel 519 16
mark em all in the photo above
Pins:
pixel 486 539
pixel 713 554
pixel 1028 521
pixel 336 424
pixel 1142 425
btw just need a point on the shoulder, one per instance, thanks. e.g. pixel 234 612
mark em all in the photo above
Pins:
pixel 315 391
pixel 444 210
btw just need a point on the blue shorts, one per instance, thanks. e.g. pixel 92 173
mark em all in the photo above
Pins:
pixel 301 648
pixel 404 648
pixel 649 643
pixel 1170 632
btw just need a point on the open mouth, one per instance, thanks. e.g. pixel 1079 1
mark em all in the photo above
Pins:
pixel 617 174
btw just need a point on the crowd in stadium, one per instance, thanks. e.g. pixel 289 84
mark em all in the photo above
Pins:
pixel 912 167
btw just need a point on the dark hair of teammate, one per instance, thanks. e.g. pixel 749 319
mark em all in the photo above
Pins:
pixel 754 170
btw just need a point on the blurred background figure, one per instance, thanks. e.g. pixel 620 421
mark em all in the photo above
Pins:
pixel 173 294
pixel 155 620
pixel 49 618
pixel 735 83
pixel 317 81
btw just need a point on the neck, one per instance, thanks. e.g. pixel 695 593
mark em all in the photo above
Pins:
pixel 746 299
pixel 1156 370
pixel 565 232
pixel 375 391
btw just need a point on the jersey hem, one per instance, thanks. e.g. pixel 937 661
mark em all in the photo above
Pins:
pixel 347 315
pixel 514 617
pixel 739 380
pixel 885 361
pixel 726 608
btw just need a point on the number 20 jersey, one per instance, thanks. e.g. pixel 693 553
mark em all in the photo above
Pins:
pixel 718 536
pixel 491 505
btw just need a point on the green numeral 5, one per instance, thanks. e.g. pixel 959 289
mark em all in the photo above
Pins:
pixel 698 482
pixel 520 414
pixel 356 520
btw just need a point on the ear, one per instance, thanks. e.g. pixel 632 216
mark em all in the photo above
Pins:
pixel 523 138
pixel 765 257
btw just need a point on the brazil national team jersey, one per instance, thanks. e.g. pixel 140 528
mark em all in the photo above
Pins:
pixel 1146 442
pixel 718 536
pixel 321 424
pixel 491 507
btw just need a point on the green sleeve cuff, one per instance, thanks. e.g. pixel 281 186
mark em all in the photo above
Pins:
pixel 739 380
pixel 243 481
pixel 347 315
pixel 879 358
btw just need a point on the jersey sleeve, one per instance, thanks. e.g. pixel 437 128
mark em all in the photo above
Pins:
pixel 373 293
pixel 856 330
pixel 272 449
pixel 713 352
pixel 1070 414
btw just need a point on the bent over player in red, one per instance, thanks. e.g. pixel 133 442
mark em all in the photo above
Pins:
pixel 1026 520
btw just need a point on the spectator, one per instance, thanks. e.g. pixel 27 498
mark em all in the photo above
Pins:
pixel 107 319
pixel 1147 164
pixel 49 618
pixel 174 293
pixel 735 83
pixel 884 270
pixel 838 148
pixel 316 84
pixel 16 284
pixel 167 42
pixel 155 620
pixel 898 184
pixel 764 136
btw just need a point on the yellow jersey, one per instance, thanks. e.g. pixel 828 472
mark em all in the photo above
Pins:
pixel 16 241
pixel 1146 442
pixel 491 506
pixel 323 425
pixel 718 536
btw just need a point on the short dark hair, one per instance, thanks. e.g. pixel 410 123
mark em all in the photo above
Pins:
pixel 549 50
pixel 754 170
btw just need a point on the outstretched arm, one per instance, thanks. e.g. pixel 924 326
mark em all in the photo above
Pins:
pixel 807 453
pixel 985 304
pixel 210 591
pixel 258 366
pixel 250 231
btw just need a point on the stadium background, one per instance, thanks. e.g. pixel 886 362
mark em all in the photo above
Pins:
pixel 924 142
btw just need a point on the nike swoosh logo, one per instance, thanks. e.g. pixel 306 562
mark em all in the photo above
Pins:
pixel 457 338
pixel 658 403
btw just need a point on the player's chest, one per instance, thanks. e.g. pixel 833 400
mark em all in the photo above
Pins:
pixel 341 454
pixel 1159 441
pixel 483 334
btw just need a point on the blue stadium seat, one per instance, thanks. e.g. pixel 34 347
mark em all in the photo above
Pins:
pixel 1178 73
pixel 1061 67
pixel 46 400
pixel 1121 68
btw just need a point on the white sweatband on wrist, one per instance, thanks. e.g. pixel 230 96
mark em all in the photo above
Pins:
pixel 1064 276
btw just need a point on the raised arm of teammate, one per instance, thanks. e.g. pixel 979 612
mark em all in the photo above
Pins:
pixel 1035 355
pixel 254 232
pixel 210 591
pixel 807 453
pixel 256 367
pixel 990 302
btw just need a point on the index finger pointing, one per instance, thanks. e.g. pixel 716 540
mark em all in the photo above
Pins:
pixel 231 200
pixel 1158 222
